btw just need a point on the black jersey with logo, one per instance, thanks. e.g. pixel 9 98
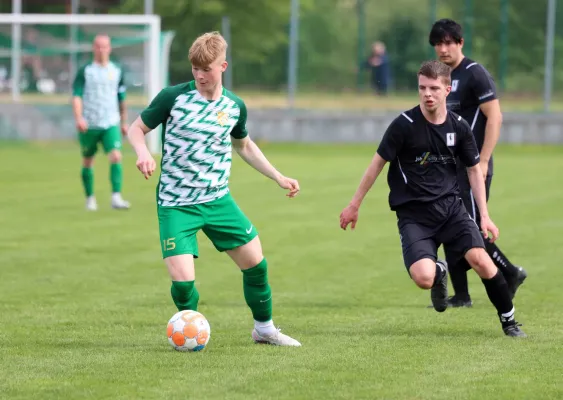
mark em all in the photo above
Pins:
pixel 472 85
pixel 423 157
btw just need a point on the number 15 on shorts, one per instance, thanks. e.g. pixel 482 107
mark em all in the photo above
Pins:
pixel 169 244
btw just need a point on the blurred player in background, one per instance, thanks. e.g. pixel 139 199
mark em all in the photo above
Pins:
pixel 422 145
pixel 101 118
pixel 202 122
pixel 474 97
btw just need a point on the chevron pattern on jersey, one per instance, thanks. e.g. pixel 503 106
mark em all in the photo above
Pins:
pixel 100 101
pixel 197 150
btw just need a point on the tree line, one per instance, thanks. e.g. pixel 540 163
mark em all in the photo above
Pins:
pixel 331 45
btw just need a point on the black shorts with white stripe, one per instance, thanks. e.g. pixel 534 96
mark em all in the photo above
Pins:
pixel 425 227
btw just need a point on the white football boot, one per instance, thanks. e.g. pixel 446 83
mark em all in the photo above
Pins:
pixel 91 204
pixel 118 203
pixel 278 339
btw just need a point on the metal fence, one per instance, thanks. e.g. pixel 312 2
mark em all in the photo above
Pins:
pixel 312 54
pixel 329 43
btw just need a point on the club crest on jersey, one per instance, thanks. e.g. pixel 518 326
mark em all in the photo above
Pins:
pixel 222 118
pixel 455 83
pixel 450 139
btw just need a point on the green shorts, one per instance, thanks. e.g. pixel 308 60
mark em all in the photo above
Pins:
pixel 110 138
pixel 221 220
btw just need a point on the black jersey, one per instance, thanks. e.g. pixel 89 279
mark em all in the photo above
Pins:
pixel 423 157
pixel 472 85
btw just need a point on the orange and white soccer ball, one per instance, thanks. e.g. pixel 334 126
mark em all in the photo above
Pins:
pixel 188 331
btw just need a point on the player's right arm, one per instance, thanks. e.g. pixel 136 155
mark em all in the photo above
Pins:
pixel 77 108
pixel 155 114
pixel 387 151
pixel 136 134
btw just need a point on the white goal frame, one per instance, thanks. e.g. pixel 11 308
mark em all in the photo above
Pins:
pixel 151 21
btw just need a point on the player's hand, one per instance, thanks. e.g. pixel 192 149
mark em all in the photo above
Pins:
pixel 349 215
pixel 484 168
pixel 124 129
pixel 82 125
pixel 488 226
pixel 146 164
pixel 291 184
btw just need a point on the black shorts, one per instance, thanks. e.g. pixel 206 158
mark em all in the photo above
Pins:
pixel 466 194
pixel 424 228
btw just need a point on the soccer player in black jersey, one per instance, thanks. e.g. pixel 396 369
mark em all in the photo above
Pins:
pixel 423 146
pixel 474 97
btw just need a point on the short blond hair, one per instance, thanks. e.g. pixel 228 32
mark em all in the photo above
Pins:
pixel 207 48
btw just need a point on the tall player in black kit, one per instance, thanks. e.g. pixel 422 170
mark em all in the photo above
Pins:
pixel 423 146
pixel 474 97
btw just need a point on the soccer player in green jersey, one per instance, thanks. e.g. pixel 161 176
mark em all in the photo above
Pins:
pixel 202 121
pixel 99 111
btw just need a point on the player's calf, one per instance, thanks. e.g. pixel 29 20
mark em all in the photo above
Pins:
pixel 460 285
pixel 258 293
pixel 497 290
pixel 185 295
pixel 87 177
pixel 183 290
pixel 258 296
pixel 116 178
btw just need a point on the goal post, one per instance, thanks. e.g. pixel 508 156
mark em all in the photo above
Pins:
pixel 13 45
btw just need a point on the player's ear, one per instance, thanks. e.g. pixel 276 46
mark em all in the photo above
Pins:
pixel 224 66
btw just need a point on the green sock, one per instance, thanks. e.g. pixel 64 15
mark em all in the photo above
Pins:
pixel 257 292
pixel 185 295
pixel 88 181
pixel 116 177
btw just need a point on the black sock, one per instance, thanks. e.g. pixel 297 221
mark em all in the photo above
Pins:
pixel 500 260
pixel 439 274
pixel 498 293
pixel 458 276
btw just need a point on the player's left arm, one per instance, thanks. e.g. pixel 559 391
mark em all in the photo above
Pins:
pixel 469 155
pixel 253 156
pixel 121 95
pixel 489 104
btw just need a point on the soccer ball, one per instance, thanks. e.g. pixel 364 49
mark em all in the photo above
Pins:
pixel 188 331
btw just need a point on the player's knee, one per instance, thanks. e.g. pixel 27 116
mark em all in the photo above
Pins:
pixel 248 255
pixel 424 282
pixel 181 267
pixel 115 156
pixel 423 274
pixel 481 263
pixel 88 162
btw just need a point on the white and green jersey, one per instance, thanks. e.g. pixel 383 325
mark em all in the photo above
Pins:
pixel 102 88
pixel 196 143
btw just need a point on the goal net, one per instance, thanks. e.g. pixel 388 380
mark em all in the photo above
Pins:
pixel 40 55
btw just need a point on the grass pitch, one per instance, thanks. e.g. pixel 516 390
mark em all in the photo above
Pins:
pixel 84 297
